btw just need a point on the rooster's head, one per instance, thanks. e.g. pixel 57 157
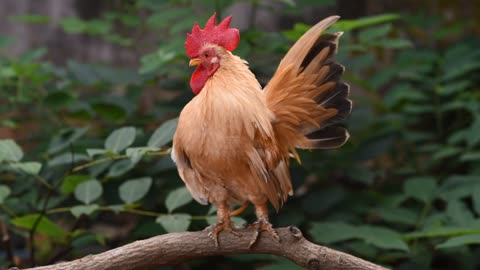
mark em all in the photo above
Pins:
pixel 205 47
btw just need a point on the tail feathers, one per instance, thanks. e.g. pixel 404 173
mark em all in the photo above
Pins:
pixel 336 98
pixel 306 95
pixel 326 138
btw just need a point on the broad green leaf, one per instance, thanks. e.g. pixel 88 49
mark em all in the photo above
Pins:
pixel 155 61
pixel 372 33
pixel 88 191
pixel 136 153
pixel 134 189
pixel 65 138
pixel 87 239
pixel 177 198
pixel 397 215
pixel 120 139
pixel 422 188
pixel 163 134
pixel 9 150
pixel 4 193
pixel 70 182
pixel 67 159
pixel 120 167
pixel 473 135
pixel 87 210
pixel 45 225
pixel 27 167
pixel 109 111
pixel 476 199
pixel 91 152
pixel 175 222
pixel 442 232
pixel 447 152
pixel 470 156
pixel 382 237
pixel 462 240
pixel 331 232
pixel 59 99
pixel 459 213
pixel 392 43
pixel 73 25
pixel 347 25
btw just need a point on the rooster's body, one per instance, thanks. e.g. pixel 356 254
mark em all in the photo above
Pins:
pixel 234 140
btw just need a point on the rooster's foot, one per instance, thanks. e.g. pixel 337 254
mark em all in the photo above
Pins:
pixel 214 230
pixel 259 226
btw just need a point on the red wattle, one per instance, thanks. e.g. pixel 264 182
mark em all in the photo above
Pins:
pixel 199 78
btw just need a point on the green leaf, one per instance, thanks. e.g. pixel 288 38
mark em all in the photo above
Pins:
pixel 27 167
pixel 73 25
pixel 446 152
pixel 154 61
pixel 397 215
pixel 422 188
pixel 459 213
pixel 91 152
pixel 65 138
pixel 70 182
pixel 382 237
pixel 473 135
pixel 45 225
pixel 120 139
pixel 87 210
pixel 59 99
pixel 391 43
pixel 120 167
pixel 134 189
pixel 347 25
pixel 462 240
pixel 476 199
pixel 470 156
pixel 9 150
pixel 442 232
pixel 4 193
pixel 88 191
pixel 163 134
pixel 175 222
pixel 331 232
pixel 67 158
pixel 372 33
pixel 136 153
pixel 177 198
pixel 109 111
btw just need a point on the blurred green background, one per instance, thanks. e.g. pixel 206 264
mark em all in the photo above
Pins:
pixel 90 92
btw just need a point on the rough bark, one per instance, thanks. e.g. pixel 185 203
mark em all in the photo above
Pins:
pixel 175 248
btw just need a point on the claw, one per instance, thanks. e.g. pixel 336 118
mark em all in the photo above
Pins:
pixel 259 226
pixel 214 230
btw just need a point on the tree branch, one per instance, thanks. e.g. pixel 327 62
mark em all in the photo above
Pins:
pixel 175 248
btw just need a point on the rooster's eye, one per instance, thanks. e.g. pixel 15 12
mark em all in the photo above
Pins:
pixel 206 55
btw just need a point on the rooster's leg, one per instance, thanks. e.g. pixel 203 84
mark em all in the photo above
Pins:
pixel 223 223
pixel 262 224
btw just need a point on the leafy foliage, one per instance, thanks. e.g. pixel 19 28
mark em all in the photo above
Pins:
pixel 404 192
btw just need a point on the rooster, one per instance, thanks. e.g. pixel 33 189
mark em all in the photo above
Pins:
pixel 234 141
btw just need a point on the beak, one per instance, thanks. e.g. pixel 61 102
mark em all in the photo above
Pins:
pixel 194 62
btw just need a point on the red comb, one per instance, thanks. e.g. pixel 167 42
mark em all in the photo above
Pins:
pixel 221 35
